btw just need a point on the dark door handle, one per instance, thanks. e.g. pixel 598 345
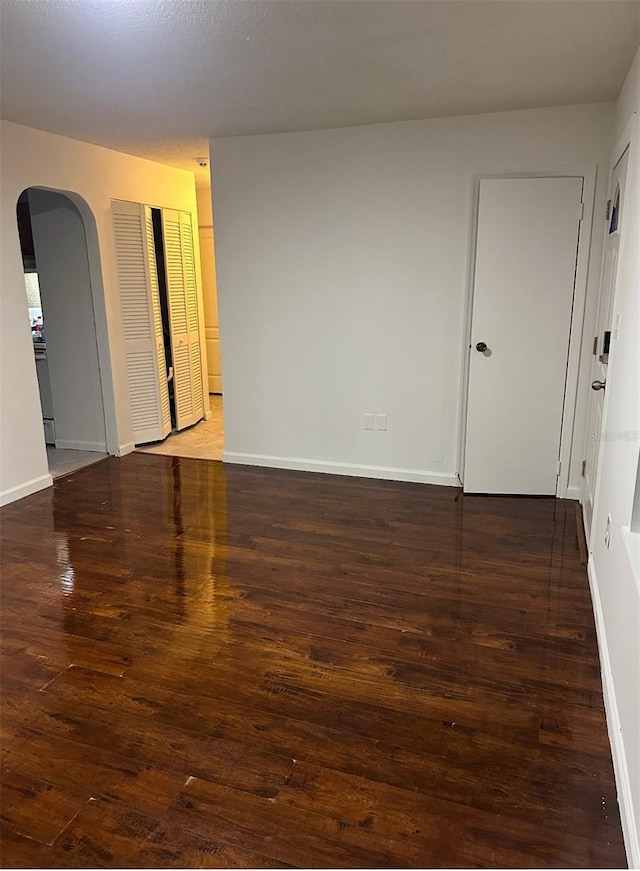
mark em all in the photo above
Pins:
pixel 482 347
pixel 598 385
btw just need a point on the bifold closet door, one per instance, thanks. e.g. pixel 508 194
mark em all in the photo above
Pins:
pixel 141 321
pixel 183 316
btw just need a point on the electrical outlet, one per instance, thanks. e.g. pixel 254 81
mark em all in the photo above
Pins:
pixel 368 421
pixel 607 532
pixel 381 422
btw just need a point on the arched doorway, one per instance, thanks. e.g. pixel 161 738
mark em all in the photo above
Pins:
pixel 60 287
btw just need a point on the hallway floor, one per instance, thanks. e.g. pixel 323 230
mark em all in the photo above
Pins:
pixel 203 441
pixel 62 461
pixel 223 666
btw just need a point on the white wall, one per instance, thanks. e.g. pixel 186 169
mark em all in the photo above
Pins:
pixel 615 579
pixel 62 261
pixel 342 262
pixel 629 97
pixel 96 175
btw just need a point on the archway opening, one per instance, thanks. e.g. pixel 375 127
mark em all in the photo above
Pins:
pixel 60 304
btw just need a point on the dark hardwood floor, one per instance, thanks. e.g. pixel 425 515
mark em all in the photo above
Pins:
pixel 208 666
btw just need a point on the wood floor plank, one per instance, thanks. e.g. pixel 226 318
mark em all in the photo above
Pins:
pixel 36 809
pixel 93 772
pixel 19 851
pixel 220 666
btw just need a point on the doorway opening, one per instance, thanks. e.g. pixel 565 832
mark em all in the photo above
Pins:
pixel 59 299
pixel 161 269
pixel 205 439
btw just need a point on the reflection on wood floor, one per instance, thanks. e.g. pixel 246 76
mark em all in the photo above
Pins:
pixel 208 666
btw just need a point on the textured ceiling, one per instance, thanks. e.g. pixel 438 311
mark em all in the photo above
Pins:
pixel 157 78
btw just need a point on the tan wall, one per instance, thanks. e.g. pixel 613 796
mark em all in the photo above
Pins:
pixel 92 177
pixel 209 288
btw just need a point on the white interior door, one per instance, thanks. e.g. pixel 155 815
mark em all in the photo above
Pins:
pixel 141 321
pixel 604 327
pixel 526 249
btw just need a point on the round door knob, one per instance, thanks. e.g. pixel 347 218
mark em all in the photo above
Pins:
pixel 598 385
pixel 482 347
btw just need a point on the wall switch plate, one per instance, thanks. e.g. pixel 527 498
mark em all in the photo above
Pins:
pixel 368 421
pixel 381 422
pixel 607 532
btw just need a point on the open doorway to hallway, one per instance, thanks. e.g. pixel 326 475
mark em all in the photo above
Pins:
pixel 205 440
pixel 60 308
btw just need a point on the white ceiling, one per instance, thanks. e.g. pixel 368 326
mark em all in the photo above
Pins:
pixel 157 78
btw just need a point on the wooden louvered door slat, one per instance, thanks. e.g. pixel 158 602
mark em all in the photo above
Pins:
pixel 178 318
pixel 195 360
pixel 144 359
pixel 183 314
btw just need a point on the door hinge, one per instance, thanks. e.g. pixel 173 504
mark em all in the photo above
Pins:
pixel 580 211
pixel 595 345
pixel 559 467
pixel 584 468
pixel 608 211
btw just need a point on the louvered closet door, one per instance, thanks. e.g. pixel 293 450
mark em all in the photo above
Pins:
pixel 183 315
pixel 195 360
pixel 141 321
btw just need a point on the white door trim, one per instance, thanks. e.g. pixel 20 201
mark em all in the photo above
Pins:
pixel 588 174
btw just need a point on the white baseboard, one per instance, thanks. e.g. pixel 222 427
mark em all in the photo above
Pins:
pixel 70 445
pixel 621 770
pixel 12 494
pixel 574 493
pixel 388 473
pixel 125 449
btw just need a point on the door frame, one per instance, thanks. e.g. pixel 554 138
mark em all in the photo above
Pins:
pixel 98 304
pixel 588 174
